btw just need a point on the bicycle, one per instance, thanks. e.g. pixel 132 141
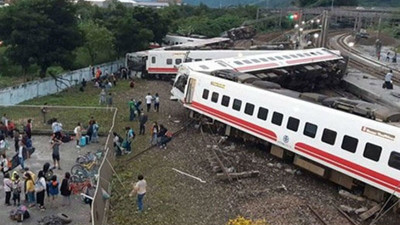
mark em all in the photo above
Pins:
pixel 78 187
pixel 85 170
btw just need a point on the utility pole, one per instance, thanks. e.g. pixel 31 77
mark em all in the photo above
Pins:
pixel 324 29
pixel 379 27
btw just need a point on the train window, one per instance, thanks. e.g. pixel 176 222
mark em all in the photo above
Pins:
pixel 312 53
pixel 208 59
pixel 286 57
pixel 214 97
pixel 319 53
pixel 238 62
pixel 153 59
pixel 306 54
pixel 271 58
pixel 294 56
pixel 277 118
pixel 293 124
pixel 204 67
pixel 264 59
pixel 300 55
pixel 310 130
pixel 255 60
pixel 169 61
pixel 349 143
pixel 372 152
pixel 178 61
pixel 188 60
pixel 249 109
pixel 394 160
pixel 205 94
pixel 197 60
pixel 278 57
pixel 247 61
pixel 262 113
pixel 329 136
pixel 225 100
pixel 236 104
pixel 221 64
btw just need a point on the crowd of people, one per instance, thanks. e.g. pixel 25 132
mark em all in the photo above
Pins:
pixel 159 134
pixel 21 185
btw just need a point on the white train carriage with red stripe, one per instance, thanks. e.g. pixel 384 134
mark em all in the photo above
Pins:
pixel 358 148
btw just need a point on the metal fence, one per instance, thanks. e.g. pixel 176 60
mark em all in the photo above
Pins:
pixel 100 204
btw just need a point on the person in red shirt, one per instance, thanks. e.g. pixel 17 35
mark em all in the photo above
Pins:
pixel 11 128
pixel 98 73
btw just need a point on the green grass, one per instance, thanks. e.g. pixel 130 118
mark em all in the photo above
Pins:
pixel 71 116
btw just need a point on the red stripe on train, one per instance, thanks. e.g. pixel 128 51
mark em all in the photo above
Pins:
pixel 262 66
pixel 242 123
pixel 349 166
pixel 310 59
pixel 162 70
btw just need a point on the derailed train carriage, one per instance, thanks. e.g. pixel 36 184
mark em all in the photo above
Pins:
pixel 317 133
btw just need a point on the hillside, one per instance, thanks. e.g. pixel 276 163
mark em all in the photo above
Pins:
pixel 281 3
pixel 227 3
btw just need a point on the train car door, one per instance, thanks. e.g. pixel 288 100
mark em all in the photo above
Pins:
pixel 190 90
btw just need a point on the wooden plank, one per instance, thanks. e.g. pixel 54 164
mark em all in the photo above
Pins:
pixel 374 193
pixel 370 212
pixel 318 170
pixel 277 151
pixel 246 174
pixel 341 179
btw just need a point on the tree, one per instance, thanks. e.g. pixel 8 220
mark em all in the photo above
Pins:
pixel 44 32
pixel 98 41
pixel 151 20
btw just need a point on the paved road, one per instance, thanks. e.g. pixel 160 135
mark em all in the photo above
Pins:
pixel 78 211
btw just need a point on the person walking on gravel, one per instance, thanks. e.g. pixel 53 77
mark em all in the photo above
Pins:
pixel 140 189
pixel 142 120
pixel 156 102
pixel 132 108
pixel 149 99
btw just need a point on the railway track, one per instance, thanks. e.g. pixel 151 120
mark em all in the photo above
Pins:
pixel 359 61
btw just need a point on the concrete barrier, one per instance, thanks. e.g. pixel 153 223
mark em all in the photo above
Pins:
pixel 22 92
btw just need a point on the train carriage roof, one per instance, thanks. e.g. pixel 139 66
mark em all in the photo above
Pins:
pixel 277 59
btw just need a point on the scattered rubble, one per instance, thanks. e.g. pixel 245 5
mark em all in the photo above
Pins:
pixel 347 194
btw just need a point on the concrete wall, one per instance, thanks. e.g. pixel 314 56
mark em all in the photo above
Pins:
pixel 19 93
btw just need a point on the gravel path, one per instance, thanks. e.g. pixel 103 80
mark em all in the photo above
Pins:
pixel 78 211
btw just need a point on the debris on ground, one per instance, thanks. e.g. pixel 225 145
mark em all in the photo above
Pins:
pixel 347 194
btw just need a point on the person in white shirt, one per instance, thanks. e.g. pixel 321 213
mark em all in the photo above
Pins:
pixel 139 188
pixel 156 103
pixel 149 99
pixel 4 119
pixel 3 164
pixel 388 80
pixel 7 188
pixel 20 153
